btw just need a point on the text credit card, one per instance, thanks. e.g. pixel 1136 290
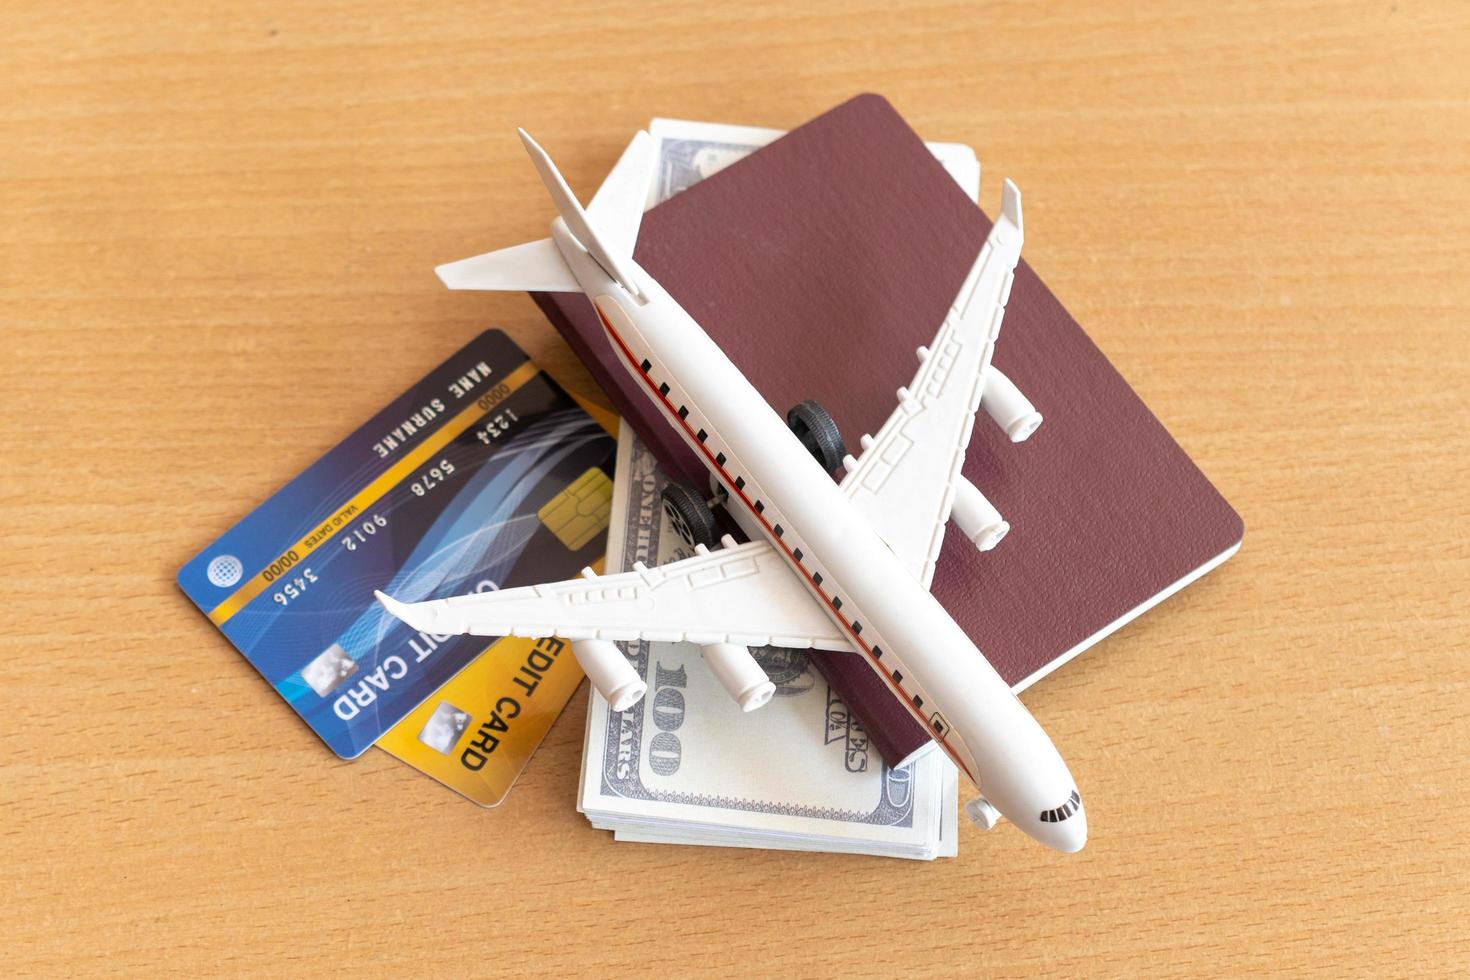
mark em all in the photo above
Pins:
pixel 476 733
pixel 484 475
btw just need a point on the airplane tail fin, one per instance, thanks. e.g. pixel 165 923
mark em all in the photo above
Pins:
pixel 608 229
pixel 616 210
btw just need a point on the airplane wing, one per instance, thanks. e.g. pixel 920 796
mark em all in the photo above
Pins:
pixel 742 594
pixel 905 481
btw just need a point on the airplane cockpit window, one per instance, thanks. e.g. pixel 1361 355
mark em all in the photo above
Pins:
pixel 1073 804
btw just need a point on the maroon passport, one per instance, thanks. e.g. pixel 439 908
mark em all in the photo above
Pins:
pixel 819 264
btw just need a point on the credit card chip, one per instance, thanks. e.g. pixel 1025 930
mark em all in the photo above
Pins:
pixel 580 512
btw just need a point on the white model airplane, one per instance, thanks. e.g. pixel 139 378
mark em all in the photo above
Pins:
pixel 838 566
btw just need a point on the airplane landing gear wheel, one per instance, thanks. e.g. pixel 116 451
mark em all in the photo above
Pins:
pixel 690 515
pixel 818 433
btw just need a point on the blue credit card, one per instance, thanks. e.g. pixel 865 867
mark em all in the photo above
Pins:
pixel 484 475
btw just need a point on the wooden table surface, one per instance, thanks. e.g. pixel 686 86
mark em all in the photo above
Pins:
pixel 218 228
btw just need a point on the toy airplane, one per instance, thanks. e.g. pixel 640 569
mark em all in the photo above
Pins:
pixel 838 566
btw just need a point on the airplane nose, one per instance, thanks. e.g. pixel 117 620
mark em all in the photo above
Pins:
pixel 1073 833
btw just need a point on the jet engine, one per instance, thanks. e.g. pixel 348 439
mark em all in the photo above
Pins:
pixel 977 517
pixel 982 813
pixel 610 673
pixel 1009 409
pixel 739 674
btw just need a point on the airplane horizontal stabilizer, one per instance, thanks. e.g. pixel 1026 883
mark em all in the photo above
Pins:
pixel 535 267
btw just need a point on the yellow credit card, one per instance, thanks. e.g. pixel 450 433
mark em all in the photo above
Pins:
pixel 477 733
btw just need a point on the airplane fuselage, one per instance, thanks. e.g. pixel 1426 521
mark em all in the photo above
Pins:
pixel 778 491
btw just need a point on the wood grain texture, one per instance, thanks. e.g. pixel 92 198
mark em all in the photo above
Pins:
pixel 219 224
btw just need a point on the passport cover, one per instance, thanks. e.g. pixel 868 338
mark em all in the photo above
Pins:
pixel 819 264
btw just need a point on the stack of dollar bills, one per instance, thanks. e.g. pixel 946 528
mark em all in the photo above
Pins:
pixel 684 765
